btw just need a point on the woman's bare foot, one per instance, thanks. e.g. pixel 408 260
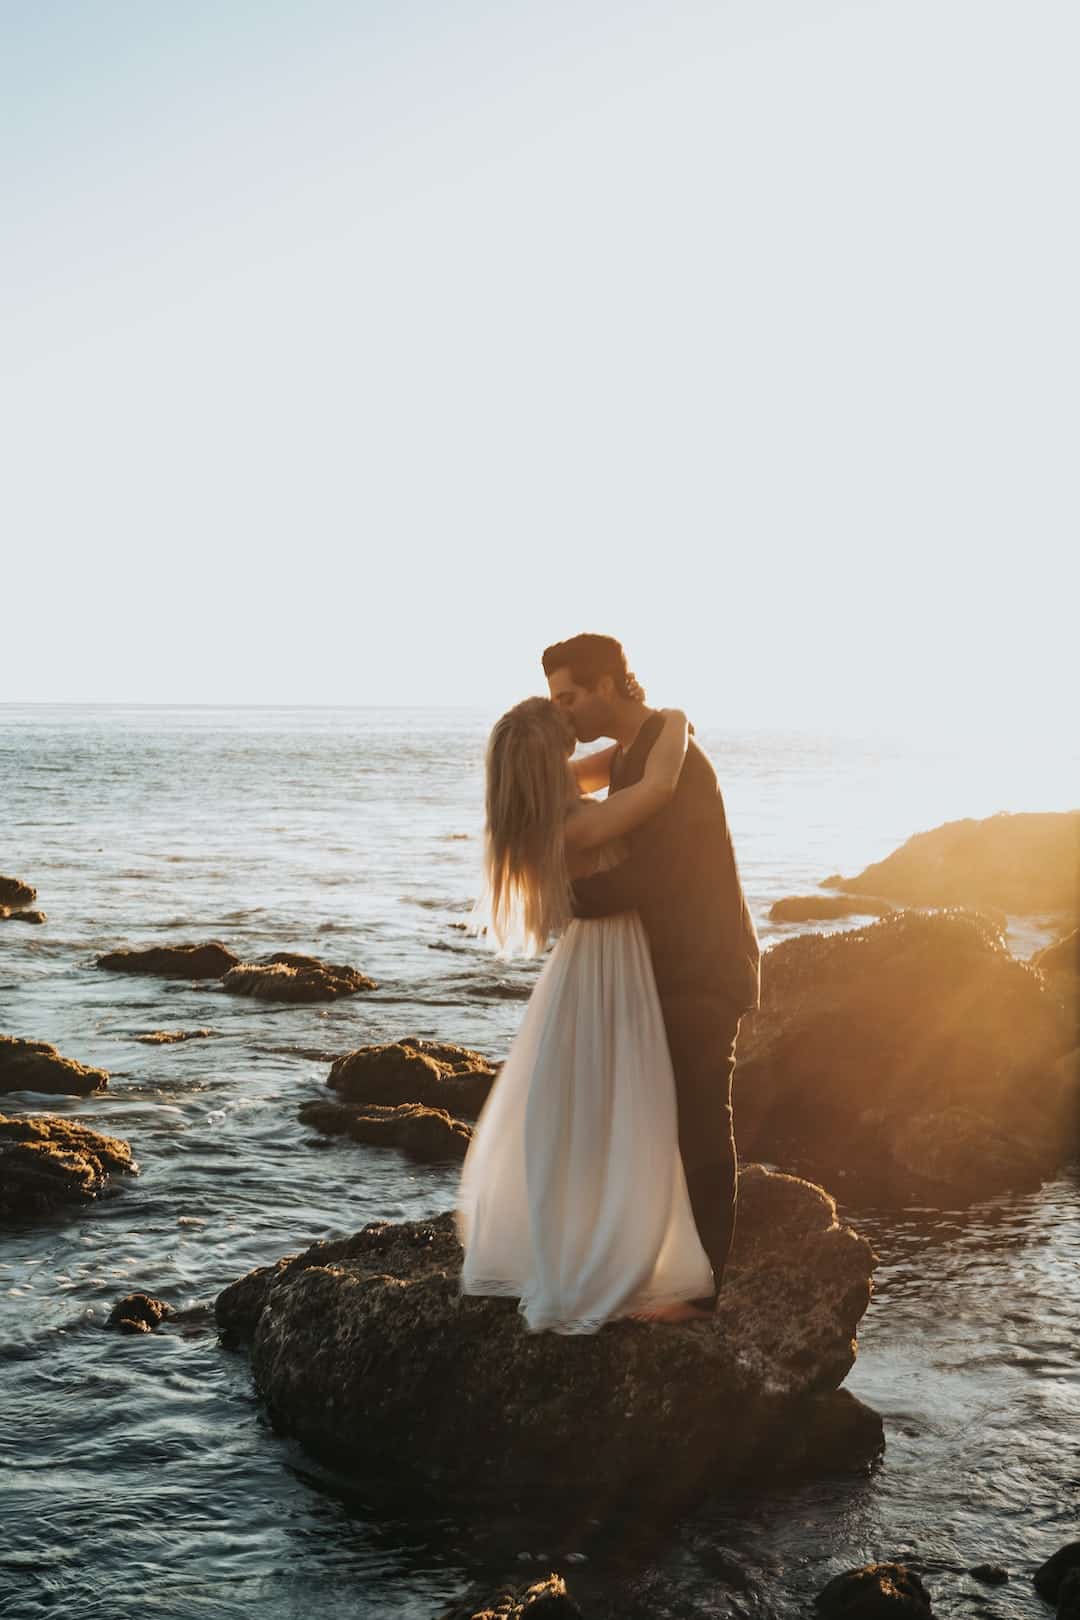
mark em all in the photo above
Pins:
pixel 672 1313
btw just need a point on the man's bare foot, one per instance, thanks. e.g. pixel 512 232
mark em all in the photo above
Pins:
pixel 672 1313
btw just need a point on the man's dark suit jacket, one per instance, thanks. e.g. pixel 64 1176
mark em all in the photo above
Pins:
pixel 681 877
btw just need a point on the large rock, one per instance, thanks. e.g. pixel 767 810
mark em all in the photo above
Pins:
pixel 1020 864
pixel 286 976
pixel 170 1037
pixel 46 1163
pixel 367 1351
pixel 434 1073
pixel 1050 1576
pixel 1059 964
pixel 207 961
pixel 14 892
pixel 37 1066
pixel 430 1135
pixel 915 1054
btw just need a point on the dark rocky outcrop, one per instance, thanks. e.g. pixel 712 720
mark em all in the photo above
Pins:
pixel 915 1055
pixel 14 893
pixel 434 1073
pixel 1049 1576
pixel 366 1349
pixel 875 1592
pixel 207 961
pixel 1021 864
pixel 430 1135
pixel 286 976
pixel 825 908
pixel 138 1313
pixel 9 915
pixel 1068 1604
pixel 37 1066
pixel 543 1600
pixel 169 1037
pixel 46 1163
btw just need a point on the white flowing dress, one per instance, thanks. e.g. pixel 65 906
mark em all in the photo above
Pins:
pixel 573 1197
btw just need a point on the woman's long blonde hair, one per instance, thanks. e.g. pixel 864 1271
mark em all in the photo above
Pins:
pixel 528 887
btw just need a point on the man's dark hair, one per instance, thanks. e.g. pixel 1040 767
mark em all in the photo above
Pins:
pixel 588 657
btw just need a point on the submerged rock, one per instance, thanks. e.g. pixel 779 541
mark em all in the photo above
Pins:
pixel 286 976
pixel 428 1134
pixel 14 892
pixel 1021 864
pixel 169 1037
pixel 990 1574
pixel 434 1073
pixel 37 1066
pixel 916 1055
pixel 368 1352
pixel 45 1163
pixel 825 907
pixel 138 1313
pixel 207 961
pixel 875 1592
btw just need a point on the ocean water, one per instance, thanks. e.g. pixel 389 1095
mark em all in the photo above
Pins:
pixel 142 1473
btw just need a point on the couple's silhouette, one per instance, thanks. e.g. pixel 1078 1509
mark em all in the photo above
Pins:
pixel 602 1177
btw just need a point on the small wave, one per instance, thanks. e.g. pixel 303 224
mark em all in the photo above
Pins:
pixel 312 1054
pixel 499 991
pixel 430 903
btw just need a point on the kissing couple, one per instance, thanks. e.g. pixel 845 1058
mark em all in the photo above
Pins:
pixel 601 1180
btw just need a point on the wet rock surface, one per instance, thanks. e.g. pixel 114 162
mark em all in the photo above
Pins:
pixel 875 1592
pixel 916 1053
pixel 287 976
pixel 1021 864
pixel 206 961
pixel 435 1073
pixel 8 914
pixel 46 1163
pixel 138 1313
pixel 38 1066
pixel 367 1351
pixel 430 1135
pixel 15 893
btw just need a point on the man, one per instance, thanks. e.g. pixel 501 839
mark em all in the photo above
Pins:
pixel 682 879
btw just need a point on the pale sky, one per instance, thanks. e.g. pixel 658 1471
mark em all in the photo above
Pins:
pixel 353 352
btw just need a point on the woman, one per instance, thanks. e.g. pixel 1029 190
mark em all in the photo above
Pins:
pixel 573 1197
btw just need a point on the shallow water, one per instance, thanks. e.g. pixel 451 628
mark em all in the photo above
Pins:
pixel 141 1472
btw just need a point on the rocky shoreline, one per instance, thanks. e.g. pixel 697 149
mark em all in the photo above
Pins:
pixel 913 1054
